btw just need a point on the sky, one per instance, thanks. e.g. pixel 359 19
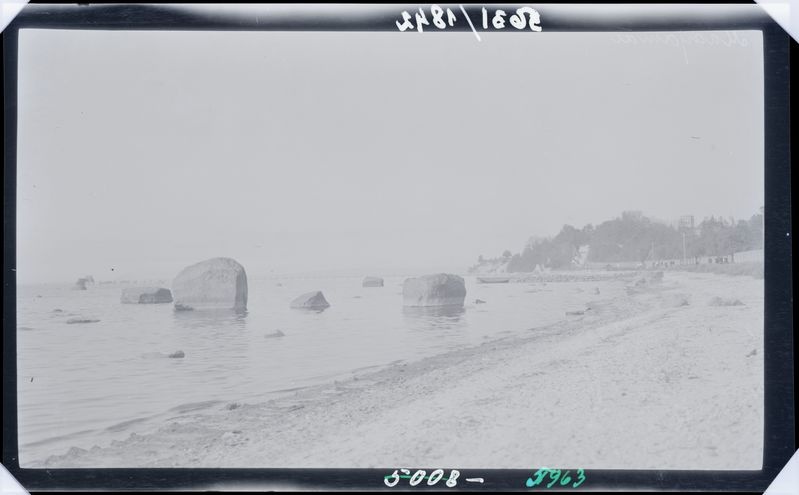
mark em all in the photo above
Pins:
pixel 141 152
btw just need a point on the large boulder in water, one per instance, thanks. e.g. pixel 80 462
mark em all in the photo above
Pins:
pixel 434 290
pixel 80 284
pixel 146 295
pixel 310 300
pixel 218 283
pixel 373 282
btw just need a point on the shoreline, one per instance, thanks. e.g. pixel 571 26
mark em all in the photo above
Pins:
pixel 487 405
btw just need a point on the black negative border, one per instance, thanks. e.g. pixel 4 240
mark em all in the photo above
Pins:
pixel 779 423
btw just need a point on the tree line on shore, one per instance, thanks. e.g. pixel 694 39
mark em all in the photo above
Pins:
pixel 633 237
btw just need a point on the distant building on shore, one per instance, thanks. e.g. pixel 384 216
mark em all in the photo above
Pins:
pixel 686 222
pixel 755 255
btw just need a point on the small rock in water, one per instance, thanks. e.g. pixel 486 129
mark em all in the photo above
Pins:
pixel 274 334
pixel 145 295
pixel 177 354
pixel 232 406
pixel 82 320
pixel 753 353
pixel 310 300
pixel 575 313
pixel 372 282
pixel 596 290
pixel 479 301
pixel 58 310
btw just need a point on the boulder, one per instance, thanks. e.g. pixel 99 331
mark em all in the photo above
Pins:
pixel 373 282
pixel 441 289
pixel 310 300
pixel 145 295
pixel 217 283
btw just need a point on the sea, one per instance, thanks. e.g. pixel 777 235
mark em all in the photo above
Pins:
pixel 86 384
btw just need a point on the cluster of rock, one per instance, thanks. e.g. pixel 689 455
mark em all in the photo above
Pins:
pixel 221 283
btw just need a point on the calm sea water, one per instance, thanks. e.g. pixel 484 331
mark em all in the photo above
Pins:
pixel 87 384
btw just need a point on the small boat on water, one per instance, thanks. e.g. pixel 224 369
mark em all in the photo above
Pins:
pixel 493 280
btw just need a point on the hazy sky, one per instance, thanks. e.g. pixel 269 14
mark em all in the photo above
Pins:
pixel 373 152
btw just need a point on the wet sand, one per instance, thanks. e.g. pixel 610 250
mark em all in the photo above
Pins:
pixel 659 378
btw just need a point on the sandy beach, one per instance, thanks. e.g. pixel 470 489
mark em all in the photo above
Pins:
pixel 662 377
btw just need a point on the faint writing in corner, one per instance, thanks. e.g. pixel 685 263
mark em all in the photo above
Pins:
pixel 683 38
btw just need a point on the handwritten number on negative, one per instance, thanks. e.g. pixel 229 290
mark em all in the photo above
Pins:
pixel 396 478
pixel 554 476
pixel 406 17
pixel 581 478
pixel 421 19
